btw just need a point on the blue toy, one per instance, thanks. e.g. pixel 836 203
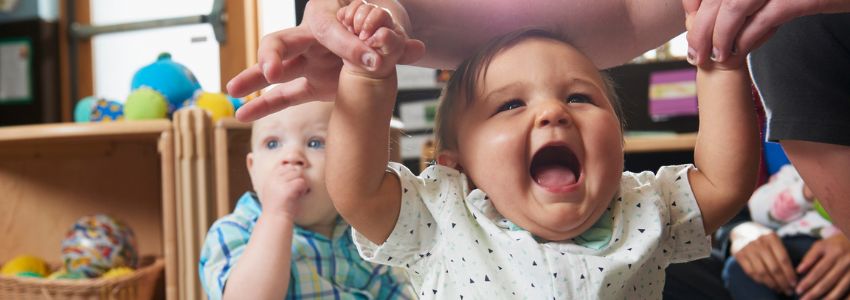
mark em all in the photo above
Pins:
pixel 174 81
pixel 107 111
pixel 237 102
pixel 83 109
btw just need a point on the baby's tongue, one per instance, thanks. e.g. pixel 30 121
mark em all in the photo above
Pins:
pixel 554 176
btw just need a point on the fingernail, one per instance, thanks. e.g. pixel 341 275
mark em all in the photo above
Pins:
pixel 265 67
pixel 369 60
pixel 691 55
pixel 715 55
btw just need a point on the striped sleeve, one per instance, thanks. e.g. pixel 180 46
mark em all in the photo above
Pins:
pixel 224 244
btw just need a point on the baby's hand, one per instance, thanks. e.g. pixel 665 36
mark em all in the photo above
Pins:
pixel 376 27
pixel 282 195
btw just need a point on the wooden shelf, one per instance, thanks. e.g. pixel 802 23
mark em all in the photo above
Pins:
pixel 76 131
pixel 660 143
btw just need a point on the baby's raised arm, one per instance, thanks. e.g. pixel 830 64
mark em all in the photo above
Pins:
pixel 363 192
pixel 726 153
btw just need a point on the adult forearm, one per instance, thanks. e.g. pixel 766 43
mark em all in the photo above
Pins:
pixel 610 32
pixel 263 270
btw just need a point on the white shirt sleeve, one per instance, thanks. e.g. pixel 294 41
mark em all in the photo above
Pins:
pixel 417 229
pixel 687 237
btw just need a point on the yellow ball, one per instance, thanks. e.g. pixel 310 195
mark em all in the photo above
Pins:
pixel 25 263
pixel 216 104
pixel 117 272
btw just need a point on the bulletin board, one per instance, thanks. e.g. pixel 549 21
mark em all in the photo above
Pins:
pixel 16 71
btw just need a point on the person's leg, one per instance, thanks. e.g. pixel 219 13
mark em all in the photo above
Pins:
pixel 695 280
pixel 826 170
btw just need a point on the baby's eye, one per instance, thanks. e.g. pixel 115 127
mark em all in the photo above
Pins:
pixel 272 144
pixel 579 98
pixel 316 143
pixel 511 104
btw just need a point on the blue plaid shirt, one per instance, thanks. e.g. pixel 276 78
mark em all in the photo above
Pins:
pixel 322 268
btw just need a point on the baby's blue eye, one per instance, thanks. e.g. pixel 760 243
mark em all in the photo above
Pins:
pixel 272 144
pixel 578 98
pixel 316 143
pixel 511 104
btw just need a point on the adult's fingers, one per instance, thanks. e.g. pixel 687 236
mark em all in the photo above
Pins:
pixel 280 47
pixel 752 264
pixel 816 274
pixel 731 17
pixel 271 68
pixel 764 23
pixel 281 96
pixel 781 268
pixel 336 37
pixel 840 289
pixel 812 256
pixel 701 31
pixel 413 51
pixel 828 281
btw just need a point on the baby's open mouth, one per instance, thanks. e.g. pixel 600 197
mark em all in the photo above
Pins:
pixel 555 167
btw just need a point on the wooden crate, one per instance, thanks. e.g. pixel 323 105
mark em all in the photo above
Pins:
pixel 53 174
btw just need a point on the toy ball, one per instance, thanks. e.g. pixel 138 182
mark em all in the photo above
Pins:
pixel 173 80
pixel 216 104
pixel 29 274
pixel 83 109
pixel 117 272
pixel 25 263
pixel 63 274
pixel 237 102
pixel 107 111
pixel 98 243
pixel 145 104
pixel 819 208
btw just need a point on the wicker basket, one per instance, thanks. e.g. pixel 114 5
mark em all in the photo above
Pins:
pixel 139 285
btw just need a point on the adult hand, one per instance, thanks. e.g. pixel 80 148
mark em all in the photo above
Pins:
pixel 827 269
pixel 726 30
pixel 305 60
pixel 763 257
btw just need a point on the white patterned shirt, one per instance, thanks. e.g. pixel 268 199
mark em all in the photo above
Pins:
pixel 457 247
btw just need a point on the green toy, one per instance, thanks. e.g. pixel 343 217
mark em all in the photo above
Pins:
pixel 29 274
pixel 144 104
pixel 819 208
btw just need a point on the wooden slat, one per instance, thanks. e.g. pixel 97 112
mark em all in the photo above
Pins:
pixel 85 72
pixel 240 50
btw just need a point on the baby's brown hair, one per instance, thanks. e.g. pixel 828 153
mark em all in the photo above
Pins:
pixel 462 86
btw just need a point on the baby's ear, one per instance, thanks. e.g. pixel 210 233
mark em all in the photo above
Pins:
pixel 449 158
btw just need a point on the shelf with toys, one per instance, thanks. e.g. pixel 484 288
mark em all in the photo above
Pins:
pixel 53 175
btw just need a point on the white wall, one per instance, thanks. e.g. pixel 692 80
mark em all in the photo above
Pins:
pixel 117 56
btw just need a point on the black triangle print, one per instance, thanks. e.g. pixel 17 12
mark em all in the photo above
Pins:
pixel 453 225
pixel 641 230
pixel 674 203
pixel 582 276
pixel 678 178
pixel 500 267
pixel 638 205
pixel 630 249
pixel 532 284
pixel 534 263
pixel 489 250
pixel 471 281
pixel 601 269
pixel 630 266
pixel 486 278
pixel 555 274
pixel 411 231
pixel 405 190
pixel 429 225
pixel 389 258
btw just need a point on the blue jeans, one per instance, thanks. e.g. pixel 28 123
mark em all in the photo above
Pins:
pixel 741 286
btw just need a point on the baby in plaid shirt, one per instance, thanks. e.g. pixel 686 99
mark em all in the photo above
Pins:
pixel 286 239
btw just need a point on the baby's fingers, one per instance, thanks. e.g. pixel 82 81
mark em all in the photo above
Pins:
pixel 376 18
pixel 387 42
